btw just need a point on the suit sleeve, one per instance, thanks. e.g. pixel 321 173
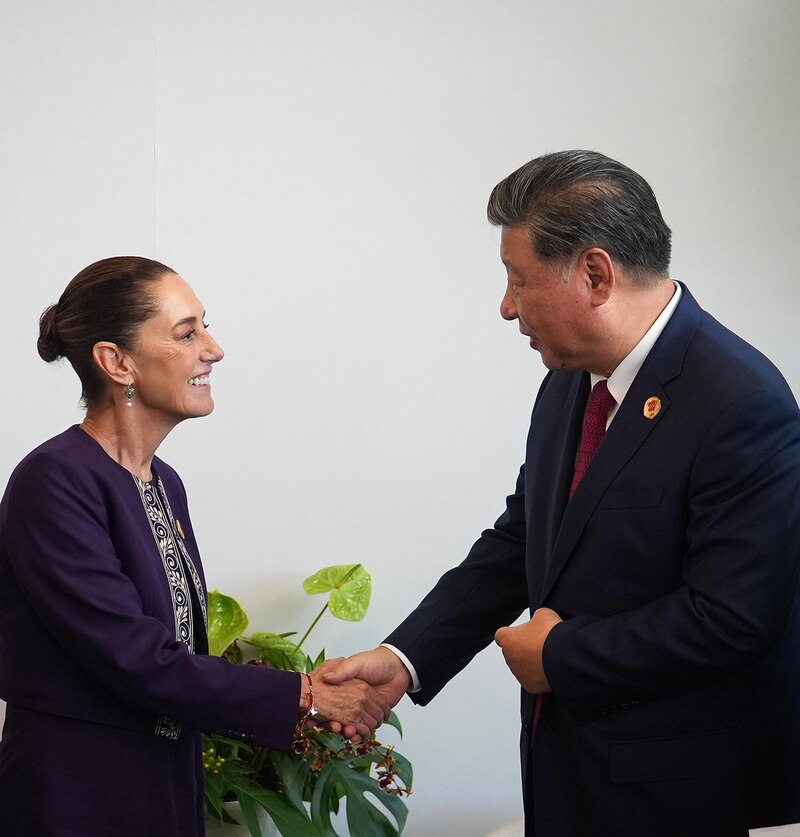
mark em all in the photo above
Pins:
pixel 57 537
pixel 459 617
pixel 740 573
pixel 487 591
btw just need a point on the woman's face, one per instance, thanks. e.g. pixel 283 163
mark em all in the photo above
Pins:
pixel 173 357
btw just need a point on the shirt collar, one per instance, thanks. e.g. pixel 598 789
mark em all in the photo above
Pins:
pixel 622 377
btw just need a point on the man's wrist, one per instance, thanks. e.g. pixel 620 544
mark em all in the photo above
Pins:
pixel 413 680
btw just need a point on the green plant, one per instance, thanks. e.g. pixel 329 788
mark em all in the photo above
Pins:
pixel 301 788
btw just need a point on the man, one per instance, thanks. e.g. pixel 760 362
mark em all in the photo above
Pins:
pixel 655 536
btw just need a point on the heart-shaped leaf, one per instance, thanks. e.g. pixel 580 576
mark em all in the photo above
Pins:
pixel 350 586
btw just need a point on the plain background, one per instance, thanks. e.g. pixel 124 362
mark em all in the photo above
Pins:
pixel 319 173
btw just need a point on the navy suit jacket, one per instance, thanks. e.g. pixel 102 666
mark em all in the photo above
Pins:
pixel 87 618
pixel 675 704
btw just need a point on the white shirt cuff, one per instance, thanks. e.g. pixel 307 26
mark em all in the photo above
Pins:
pixel 415 686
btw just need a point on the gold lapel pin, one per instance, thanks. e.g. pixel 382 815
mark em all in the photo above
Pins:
pixel 652 407
pixel 180 529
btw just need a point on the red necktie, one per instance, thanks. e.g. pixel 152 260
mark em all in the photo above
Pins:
pixel 594 428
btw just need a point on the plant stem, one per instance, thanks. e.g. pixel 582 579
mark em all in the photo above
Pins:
pixel 305 635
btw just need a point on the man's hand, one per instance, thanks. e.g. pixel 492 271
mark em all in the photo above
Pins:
pixel 381 668
pixel 352 705
pixel 522 648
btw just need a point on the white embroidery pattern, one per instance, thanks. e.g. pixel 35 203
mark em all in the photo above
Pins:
pixel 170 547
pixel 168 728
pixel 198 585
pixel 167 549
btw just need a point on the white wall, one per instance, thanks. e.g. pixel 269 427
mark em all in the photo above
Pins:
pixel 319 172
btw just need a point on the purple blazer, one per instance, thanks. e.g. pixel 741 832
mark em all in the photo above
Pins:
pixel 91 606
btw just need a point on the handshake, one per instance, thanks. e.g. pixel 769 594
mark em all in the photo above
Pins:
pixel 355 695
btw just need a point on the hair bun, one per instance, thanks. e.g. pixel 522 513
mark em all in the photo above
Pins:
pixel 49 344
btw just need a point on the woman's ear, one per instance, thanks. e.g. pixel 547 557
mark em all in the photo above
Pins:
pixel 115 363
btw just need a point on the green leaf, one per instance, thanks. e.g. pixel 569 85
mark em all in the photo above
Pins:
pixel 214 790
pixel 281 652
pixel 287 818
pixel 321 804
pixel 350 586
pixel 334 741
pixel 349 775
pixel 226 620
pixel 394 721
pixel 290 820
pixel 292 771
pixel 249 811
pixel 363 818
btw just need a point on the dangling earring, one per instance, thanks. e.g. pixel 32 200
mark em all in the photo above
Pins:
pixel 129 393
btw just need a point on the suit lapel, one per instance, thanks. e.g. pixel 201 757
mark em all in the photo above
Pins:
pixel 628 431
pixel 571 420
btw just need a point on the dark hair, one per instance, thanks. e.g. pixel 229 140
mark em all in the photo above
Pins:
pixel 571 200
pixel 107 300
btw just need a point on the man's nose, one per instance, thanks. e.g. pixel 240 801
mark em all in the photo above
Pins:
pixel 508 310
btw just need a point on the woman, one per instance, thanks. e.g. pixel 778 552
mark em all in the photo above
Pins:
pixel 103 647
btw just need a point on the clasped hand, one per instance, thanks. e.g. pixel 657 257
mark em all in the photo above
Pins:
pixel 352 705
pixel 380 672
pixel 522 647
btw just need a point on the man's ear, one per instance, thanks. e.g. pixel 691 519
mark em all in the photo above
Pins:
pixel 114 363
pixel 599 271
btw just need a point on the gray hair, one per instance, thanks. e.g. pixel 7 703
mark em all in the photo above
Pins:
pixel 572 200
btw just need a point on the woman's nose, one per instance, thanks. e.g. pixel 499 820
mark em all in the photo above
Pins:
pixel 213 350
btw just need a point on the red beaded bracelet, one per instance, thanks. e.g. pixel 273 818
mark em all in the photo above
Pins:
pixel 312 710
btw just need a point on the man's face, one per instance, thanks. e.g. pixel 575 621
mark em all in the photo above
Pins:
pixel 549 301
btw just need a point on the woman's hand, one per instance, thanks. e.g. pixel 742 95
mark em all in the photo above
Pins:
pixel 353 705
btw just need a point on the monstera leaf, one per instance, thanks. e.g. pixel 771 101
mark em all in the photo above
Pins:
pixel 349 775
pixel 226 621
pixel 350 587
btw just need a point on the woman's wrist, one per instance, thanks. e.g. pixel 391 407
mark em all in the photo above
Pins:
pixel 306 694
pixel 301 742
pixel 307 707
